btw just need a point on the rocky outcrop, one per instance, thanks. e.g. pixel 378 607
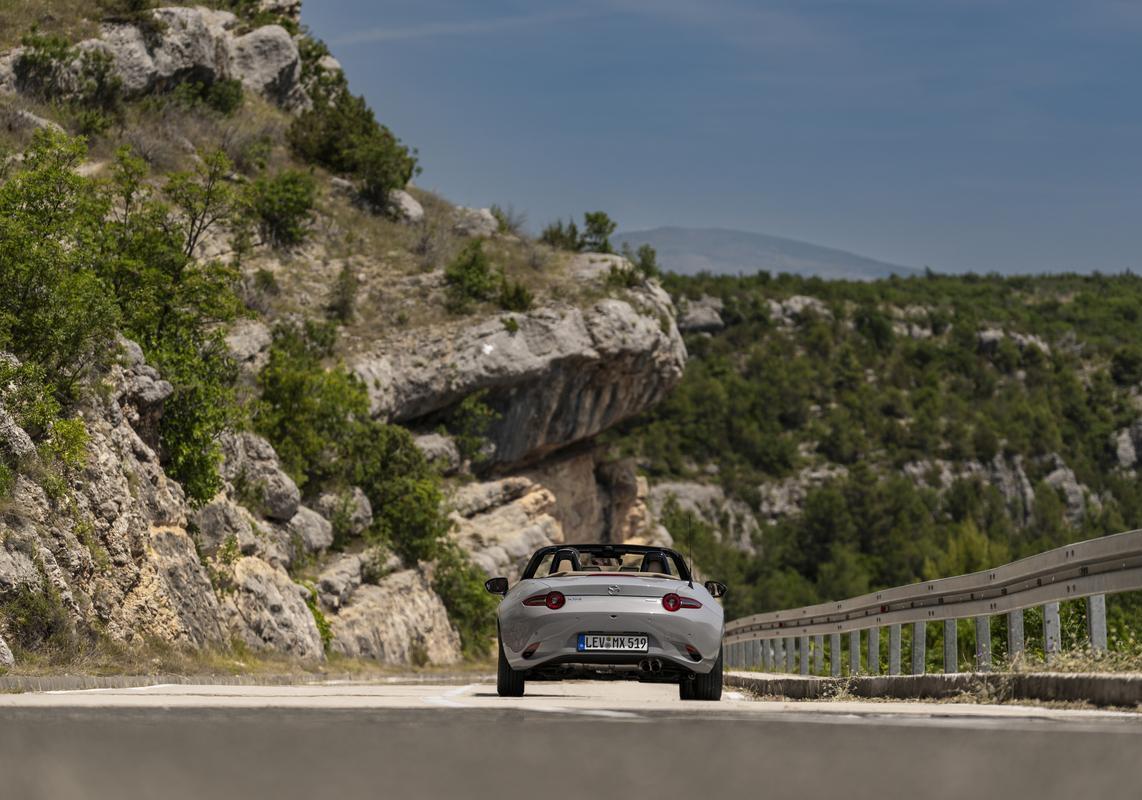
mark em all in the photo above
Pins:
pixel 398 621
pixel 188 44
pixel 565 375
pixel 475 222
pixel 731 519
pixel 441 451
pixel 794 310
pixel 501 523
pixel 251 467
pixel 339 580
pixel 15 444
pixel 351 508
pixel 249 343
pixel 7 660
pixel 267 611
pixel 115 551
pixel 703 315
pixel 784 498
pixel 1127 444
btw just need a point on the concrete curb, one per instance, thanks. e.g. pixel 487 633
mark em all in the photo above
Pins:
pixel 1101 690
pixel 70 683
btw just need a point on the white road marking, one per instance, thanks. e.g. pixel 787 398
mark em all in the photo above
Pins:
pixel 445 698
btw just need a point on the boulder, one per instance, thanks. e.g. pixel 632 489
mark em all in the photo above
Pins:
pixel 7 660
pixel 1063 480
pixel 475 222
pixel 313 531
pixel 1127 444
pixel 353 505
pixel 267 611
pixel 404 207
pixel 441 451
pixel 400 621
pixel 15 444
pixel 267 62
pixel 17 562
pixel 249 343
pixel 339 580
pixel 702 316
pixel 501 523
pixel 251 467
pixel 565 375
pixel 223 519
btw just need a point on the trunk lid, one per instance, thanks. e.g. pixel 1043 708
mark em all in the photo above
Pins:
pixel 614 584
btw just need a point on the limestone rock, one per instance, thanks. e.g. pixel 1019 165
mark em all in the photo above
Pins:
pixel 1127 445
pixel 290 9
pixel 731 519
pixel 339 580
pixel 7 660
pixel 249 461
pixel 1063 479
pixel 18 120
pixel 267 611
pixel 501 523
pixel 249 343
pixel 220 520
pixel 785 497
pixel 789 312
pixel 702 316
pixel 400 621
pixel 353 504
pixel 564 376
pixel 266 61
pixel 17 563
pixel 405 207
pixel 441 451
pixel 475 222
pixel 313 531
pixel 15 444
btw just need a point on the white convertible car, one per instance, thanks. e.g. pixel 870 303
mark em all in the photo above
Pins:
pixel 603 611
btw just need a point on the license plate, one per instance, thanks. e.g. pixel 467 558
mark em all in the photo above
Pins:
pixel 612 642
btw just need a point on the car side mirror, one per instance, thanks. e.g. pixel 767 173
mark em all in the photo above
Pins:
pixel 497 586
pixel 715 589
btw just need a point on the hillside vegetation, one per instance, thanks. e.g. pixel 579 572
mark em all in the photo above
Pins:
pixel 903 429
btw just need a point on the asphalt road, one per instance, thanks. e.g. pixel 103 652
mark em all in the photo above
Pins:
pixel 597 740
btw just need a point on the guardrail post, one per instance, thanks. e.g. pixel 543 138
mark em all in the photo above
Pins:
pixel 874 651
pixel 893 649
pixel 1051 630
pixel 778 655
pixel 854 652
pixel 819 654
pixel 983 644
pixel 767 655
pixel 951 651
pixel 919 646
pixel 803 646
pixel 835 655
pixel 790 654
pixel 757 653
pixel 1096 621
pixel 1014 636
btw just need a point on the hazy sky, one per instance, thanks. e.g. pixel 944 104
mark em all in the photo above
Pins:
pixel 959 134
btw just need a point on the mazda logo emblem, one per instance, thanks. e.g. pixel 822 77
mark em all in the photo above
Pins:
pixel 613 590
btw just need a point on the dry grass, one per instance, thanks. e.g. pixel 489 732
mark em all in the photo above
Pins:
pixel 74 19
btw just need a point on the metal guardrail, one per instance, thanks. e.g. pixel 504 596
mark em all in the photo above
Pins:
pixel 789 640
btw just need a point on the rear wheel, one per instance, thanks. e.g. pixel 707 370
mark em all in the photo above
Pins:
pixel 686 688
pixel 708 686
pixel 509 682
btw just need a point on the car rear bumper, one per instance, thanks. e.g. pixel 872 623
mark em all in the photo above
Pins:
pixel 673 638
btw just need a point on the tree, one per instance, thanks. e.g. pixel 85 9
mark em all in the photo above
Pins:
pixel 598 228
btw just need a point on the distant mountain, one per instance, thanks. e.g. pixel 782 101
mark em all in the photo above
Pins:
pixel 689 251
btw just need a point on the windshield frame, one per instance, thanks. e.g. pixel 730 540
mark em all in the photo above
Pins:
pixel 611 550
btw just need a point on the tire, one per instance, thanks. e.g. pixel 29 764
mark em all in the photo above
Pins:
pixel 686 688
pixel 709 686
pixel 509 682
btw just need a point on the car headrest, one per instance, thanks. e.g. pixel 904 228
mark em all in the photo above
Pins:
pixel 655 562
pixel 568 554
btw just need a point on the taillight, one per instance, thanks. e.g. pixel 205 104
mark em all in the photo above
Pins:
pixel 552 600
pixel 672 602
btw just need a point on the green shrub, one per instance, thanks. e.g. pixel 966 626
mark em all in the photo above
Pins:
pixel 1126 365
pixel 468 423
pixel 560 237
pixel 283 206
pixel 511 222
pixel 343 295
pixel 341 134
pixel 38 622
pixel 223 96
pixel 514 296
pixel 307 411
pixel 42 67
pixel 470 277
pixel 471 609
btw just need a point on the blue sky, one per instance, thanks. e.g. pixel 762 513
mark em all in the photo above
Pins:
pixel 958 134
